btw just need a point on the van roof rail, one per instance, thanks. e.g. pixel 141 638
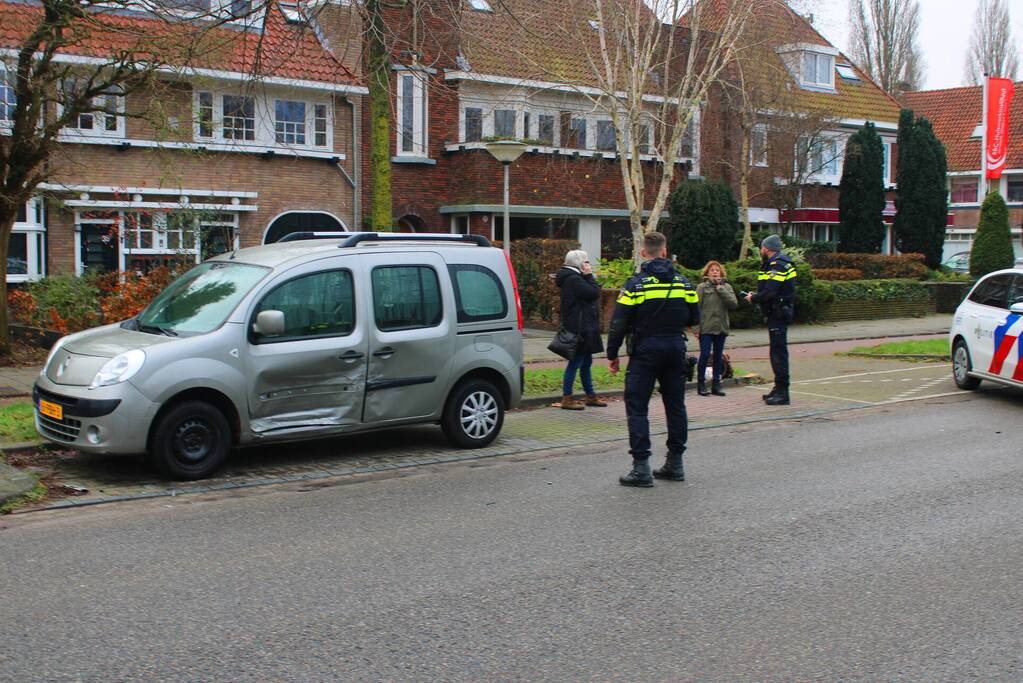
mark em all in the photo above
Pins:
pixel 360 237
pixel 312 235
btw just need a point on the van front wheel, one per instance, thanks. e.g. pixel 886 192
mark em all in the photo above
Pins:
pixel 191 441
pixel 474 415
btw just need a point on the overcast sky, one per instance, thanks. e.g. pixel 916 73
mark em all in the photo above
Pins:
pixel 944 33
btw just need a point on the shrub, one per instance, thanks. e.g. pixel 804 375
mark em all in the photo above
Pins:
pixel 66 303
pixel 63 303
pixel 992 247
pixel 704 216
pixel 880 290
pixel 838 273
pixel 535 262
pixel 613 273
pixel 875 266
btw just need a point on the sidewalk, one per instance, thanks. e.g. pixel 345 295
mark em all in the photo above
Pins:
pixel 536 341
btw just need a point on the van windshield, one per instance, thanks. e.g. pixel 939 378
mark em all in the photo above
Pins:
pixel 200 300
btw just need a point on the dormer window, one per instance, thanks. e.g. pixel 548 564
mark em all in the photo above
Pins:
pixel 481 5
pixel 818 70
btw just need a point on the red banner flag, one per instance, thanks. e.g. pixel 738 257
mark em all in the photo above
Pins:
pixel 999 100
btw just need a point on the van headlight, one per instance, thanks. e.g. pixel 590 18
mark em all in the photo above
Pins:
pixel 120 368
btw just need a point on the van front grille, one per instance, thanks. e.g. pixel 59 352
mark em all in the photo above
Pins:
pixel 59 430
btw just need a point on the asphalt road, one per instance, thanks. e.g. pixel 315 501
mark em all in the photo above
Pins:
pixel 877 545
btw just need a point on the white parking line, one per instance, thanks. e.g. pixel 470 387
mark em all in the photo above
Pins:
pixel 947 371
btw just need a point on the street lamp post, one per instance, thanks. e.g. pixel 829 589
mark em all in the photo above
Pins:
pixel 506 151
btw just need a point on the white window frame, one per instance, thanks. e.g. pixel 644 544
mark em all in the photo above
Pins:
pixel 951 182
pixel 99 129
pixel 820 176
pixel 761 161
pixel 34 229
pixel 534 131
pixel 1016 177
pixel 814 82
pixel 595 122
pixel 159 227
pixel 264 111
pixel 649 142
pixel 5 73
pixel 888 147
pixel 420 113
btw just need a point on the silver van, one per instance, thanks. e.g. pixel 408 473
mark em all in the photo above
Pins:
pixel 296 340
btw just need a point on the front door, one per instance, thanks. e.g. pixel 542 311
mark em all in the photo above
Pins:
pixel 98 248
pixel 313 375
pixel 410 336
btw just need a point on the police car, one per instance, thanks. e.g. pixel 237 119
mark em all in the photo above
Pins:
pixel 985 335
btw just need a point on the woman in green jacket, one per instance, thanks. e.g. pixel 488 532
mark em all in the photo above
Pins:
pixel 717 298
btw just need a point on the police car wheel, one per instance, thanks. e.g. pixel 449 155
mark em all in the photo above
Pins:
pixel 962 365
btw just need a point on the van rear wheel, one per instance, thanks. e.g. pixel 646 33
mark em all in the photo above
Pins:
pixel 191 441
pixel 474 414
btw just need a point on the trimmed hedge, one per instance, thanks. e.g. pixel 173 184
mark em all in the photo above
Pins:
pixel 881 290
pixel 838 273
pixel 535 262
pixel 875 266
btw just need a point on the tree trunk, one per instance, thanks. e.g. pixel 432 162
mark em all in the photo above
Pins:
pixel 747 229
pixel 8 213
pixel 380 119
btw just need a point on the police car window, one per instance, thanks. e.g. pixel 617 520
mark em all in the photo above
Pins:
pixel 993 292
pixel 478 293
pixel 1016 290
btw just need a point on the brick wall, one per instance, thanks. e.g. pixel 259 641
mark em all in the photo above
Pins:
pixel 282 183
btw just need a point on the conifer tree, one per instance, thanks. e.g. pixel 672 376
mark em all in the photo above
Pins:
pixel 921 198
pixel 861 193
pixel 992 246
pixel 703 223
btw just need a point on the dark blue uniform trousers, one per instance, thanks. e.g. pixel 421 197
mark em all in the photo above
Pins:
pixel 661 360
pixel 778 334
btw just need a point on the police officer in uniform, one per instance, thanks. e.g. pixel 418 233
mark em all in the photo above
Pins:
pixel 776 294
pixel 654 307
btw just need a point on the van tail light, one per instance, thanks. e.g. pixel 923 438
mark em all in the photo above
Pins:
pixel 515 286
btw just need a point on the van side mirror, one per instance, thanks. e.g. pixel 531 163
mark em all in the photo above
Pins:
pixel 1017 308
pixel 269 323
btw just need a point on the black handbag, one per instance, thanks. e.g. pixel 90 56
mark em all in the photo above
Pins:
pixel 566 343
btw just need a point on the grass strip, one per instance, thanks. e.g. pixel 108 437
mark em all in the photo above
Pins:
pixel 547 381
pixel 921 347
pixel 17 423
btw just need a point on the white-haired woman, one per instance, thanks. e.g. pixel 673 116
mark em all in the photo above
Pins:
pixel 580 304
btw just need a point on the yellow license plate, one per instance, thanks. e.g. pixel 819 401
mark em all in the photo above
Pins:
pixel 54 410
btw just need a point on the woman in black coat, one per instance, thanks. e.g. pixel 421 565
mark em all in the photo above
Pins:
pixel 580 304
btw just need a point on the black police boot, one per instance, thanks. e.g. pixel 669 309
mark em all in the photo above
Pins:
pixel 639 475
pixel 672 470
pixel 781 398
pixel 771 393
pixel 701 387
pixel 715 388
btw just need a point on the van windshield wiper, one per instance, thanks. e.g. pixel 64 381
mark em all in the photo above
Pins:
pixel 156 329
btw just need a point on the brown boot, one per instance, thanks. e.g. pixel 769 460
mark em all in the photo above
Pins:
pixel 593 401
pixel 569 403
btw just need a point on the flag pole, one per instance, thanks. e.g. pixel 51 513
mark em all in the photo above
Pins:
pixel 982 185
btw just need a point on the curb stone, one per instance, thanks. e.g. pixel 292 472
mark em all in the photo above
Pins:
pixel 14 483
pixel 534 401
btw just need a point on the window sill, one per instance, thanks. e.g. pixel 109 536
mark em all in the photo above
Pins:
pixel 563 151
pixel 271 151
pixel 413 160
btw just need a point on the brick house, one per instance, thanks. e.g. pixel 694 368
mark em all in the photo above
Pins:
pixel 956 114
pixel 260 141
pixel 795 167
pixel 455 89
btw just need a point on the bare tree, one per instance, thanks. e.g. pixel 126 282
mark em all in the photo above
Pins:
pixel 884 42
pixel 992 48
pixel 75 61
pixel 648 67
